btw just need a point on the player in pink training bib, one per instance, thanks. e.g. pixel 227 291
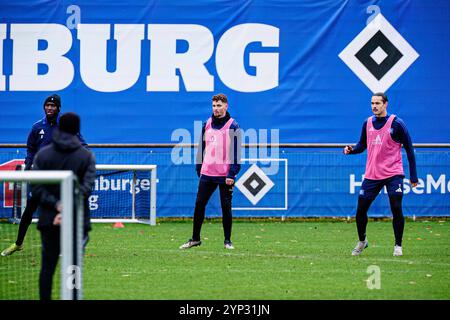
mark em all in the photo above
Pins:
pixel 218 163
pixel 383 136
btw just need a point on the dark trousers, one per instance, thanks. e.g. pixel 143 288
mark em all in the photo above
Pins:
pixel 50 254
pixel 369 191
pixel 398 221
pixel 27 217
pixel 205 190
pixel 50 238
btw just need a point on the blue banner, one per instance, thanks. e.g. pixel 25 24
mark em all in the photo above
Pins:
pixel 138 71
pixel 294 71
pixel 298 183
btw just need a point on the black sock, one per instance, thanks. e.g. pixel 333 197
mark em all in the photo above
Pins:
pixel 361 217
pixel 226 194
pixel 204 193
pixel 398 221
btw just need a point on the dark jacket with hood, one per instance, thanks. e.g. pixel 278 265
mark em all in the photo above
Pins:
pixel 64 153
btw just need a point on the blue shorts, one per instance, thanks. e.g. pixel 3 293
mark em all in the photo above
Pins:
pixel 371 188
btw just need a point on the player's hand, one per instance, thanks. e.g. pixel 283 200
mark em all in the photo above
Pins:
pixel 229 181
pixel 414 184
pixel 348 149
pixel 57 220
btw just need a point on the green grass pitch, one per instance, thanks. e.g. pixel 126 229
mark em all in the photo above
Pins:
pixel 272 260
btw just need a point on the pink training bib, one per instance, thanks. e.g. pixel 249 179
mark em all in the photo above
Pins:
pixel 216 161
pixel 384 157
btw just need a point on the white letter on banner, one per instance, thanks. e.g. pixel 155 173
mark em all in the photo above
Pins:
pixel 435 184
pixel 2 37
pixel 27 57
pixel 230 57
pixel 354 184
pixel 93 53
pixel 165 60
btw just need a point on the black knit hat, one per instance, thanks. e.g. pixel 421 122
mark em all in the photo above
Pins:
pixel 69 122
pixel 55 99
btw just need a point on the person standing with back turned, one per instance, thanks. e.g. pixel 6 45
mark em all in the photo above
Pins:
pixel 64 153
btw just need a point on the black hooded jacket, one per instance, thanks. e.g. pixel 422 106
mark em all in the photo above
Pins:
pixel 64 153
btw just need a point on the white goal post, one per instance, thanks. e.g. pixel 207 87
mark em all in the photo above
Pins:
pixel 134 168
pixel 153 180
pixel 71 240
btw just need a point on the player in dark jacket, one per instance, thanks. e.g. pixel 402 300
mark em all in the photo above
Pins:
pixel 39 136
pixel 41 131
pixel 64 153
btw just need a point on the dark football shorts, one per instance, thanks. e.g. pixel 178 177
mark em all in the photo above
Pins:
pixel 371 188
